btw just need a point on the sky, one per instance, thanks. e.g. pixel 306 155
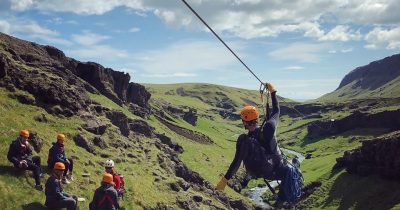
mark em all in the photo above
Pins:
pixel 303 47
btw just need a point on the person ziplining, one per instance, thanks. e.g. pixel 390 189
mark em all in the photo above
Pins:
pixel 258 149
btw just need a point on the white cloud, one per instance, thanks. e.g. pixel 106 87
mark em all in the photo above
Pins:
pixel 32 30
pixel 246 18
pixel 347 50
pixel 369 11
pixel 30 27
pixel 134 29
pixel 51 39
pixel 187 57
pixel 332 51
pixel 300 88
pixel 99 52
pixel 21 5
pixel 303 52
pixel 341 33
pixel 88 38
pixel 5 27
pixel 390 38
pixel 294 68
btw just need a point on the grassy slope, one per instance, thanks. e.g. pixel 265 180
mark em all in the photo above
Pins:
pixel 15 116
pixel 348 92
pixel 339 189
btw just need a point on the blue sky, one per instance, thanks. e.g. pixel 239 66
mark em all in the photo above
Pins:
pixel 304 47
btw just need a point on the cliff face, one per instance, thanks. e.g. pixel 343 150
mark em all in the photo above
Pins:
pixel 375 74
pixel 379 79
pixel 377 156
pixel 55 79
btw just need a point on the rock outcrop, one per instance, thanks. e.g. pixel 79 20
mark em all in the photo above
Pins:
pixel 59 83
pixel 385 119
pixel 3 67
pixel 378 156
pixel 81 141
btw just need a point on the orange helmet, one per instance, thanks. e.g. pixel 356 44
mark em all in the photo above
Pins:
pixel 60 137
pixel 249 113
pixel 59 166
pixel 108 178
pixel 24 133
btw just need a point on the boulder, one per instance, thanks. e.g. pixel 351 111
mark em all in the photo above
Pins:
pixel 40 118
pixel 93 125
pixel 139 111
pixel 3 66
pixel 81 141
pixel 168 141
pixel 35 141
pixel 191 116
pixel 120 120
pixel 98 141
pixel 140 126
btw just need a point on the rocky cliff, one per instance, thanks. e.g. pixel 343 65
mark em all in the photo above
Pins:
pixel 379 79
pixel 56 80
pixel 378 156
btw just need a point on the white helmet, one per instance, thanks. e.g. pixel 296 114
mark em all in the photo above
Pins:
pixel 109 164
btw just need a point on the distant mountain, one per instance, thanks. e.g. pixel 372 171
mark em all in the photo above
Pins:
pixel 379 79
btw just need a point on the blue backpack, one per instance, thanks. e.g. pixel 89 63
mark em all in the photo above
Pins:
pixel 293 184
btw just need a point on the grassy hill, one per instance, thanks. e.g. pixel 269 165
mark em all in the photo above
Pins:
pixel 339 190
pixel 379 79
pixel 155 176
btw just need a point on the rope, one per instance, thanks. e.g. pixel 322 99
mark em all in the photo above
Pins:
pixel 204 22
pixel 222 41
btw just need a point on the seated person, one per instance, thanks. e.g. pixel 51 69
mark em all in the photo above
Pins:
pixel 20 154
pixel 57 154
pixel 56 198
pixel 117 179
pixel 105 197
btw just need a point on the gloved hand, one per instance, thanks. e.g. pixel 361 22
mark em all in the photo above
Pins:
pixel 270 87
pixel 221 184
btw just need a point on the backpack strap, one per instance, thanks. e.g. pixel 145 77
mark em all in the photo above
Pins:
pixel 106 197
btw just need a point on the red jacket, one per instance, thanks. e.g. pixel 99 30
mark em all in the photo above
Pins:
pixel 117 182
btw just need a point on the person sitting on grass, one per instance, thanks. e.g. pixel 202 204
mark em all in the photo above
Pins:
pixel 56 198
pixel 57 154
pixel 105 197
pixel 20 154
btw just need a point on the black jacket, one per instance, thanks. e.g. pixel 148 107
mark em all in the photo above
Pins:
pixel 54 190
pixel 56 154
pixel 105 198
pixel 267 139
pixel 18 152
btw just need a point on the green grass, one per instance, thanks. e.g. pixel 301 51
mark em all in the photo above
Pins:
pixel 17 188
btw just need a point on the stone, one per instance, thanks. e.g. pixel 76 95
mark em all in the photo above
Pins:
pixel 81 141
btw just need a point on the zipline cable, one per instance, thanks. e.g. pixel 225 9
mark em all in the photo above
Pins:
pixel 204 22
pixel 219 38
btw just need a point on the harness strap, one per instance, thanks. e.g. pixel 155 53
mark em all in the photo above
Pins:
pixel 107 197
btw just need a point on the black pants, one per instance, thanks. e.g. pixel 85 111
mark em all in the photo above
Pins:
pixel 34 166
pixel 71 203
pixel 68 166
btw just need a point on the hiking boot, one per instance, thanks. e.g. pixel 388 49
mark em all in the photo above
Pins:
pixel 65 181
pixel 69 176
pixel 39 187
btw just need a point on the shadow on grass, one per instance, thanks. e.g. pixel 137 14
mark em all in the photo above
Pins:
pixel 33 206
pixel 352 191
pixel 11 170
